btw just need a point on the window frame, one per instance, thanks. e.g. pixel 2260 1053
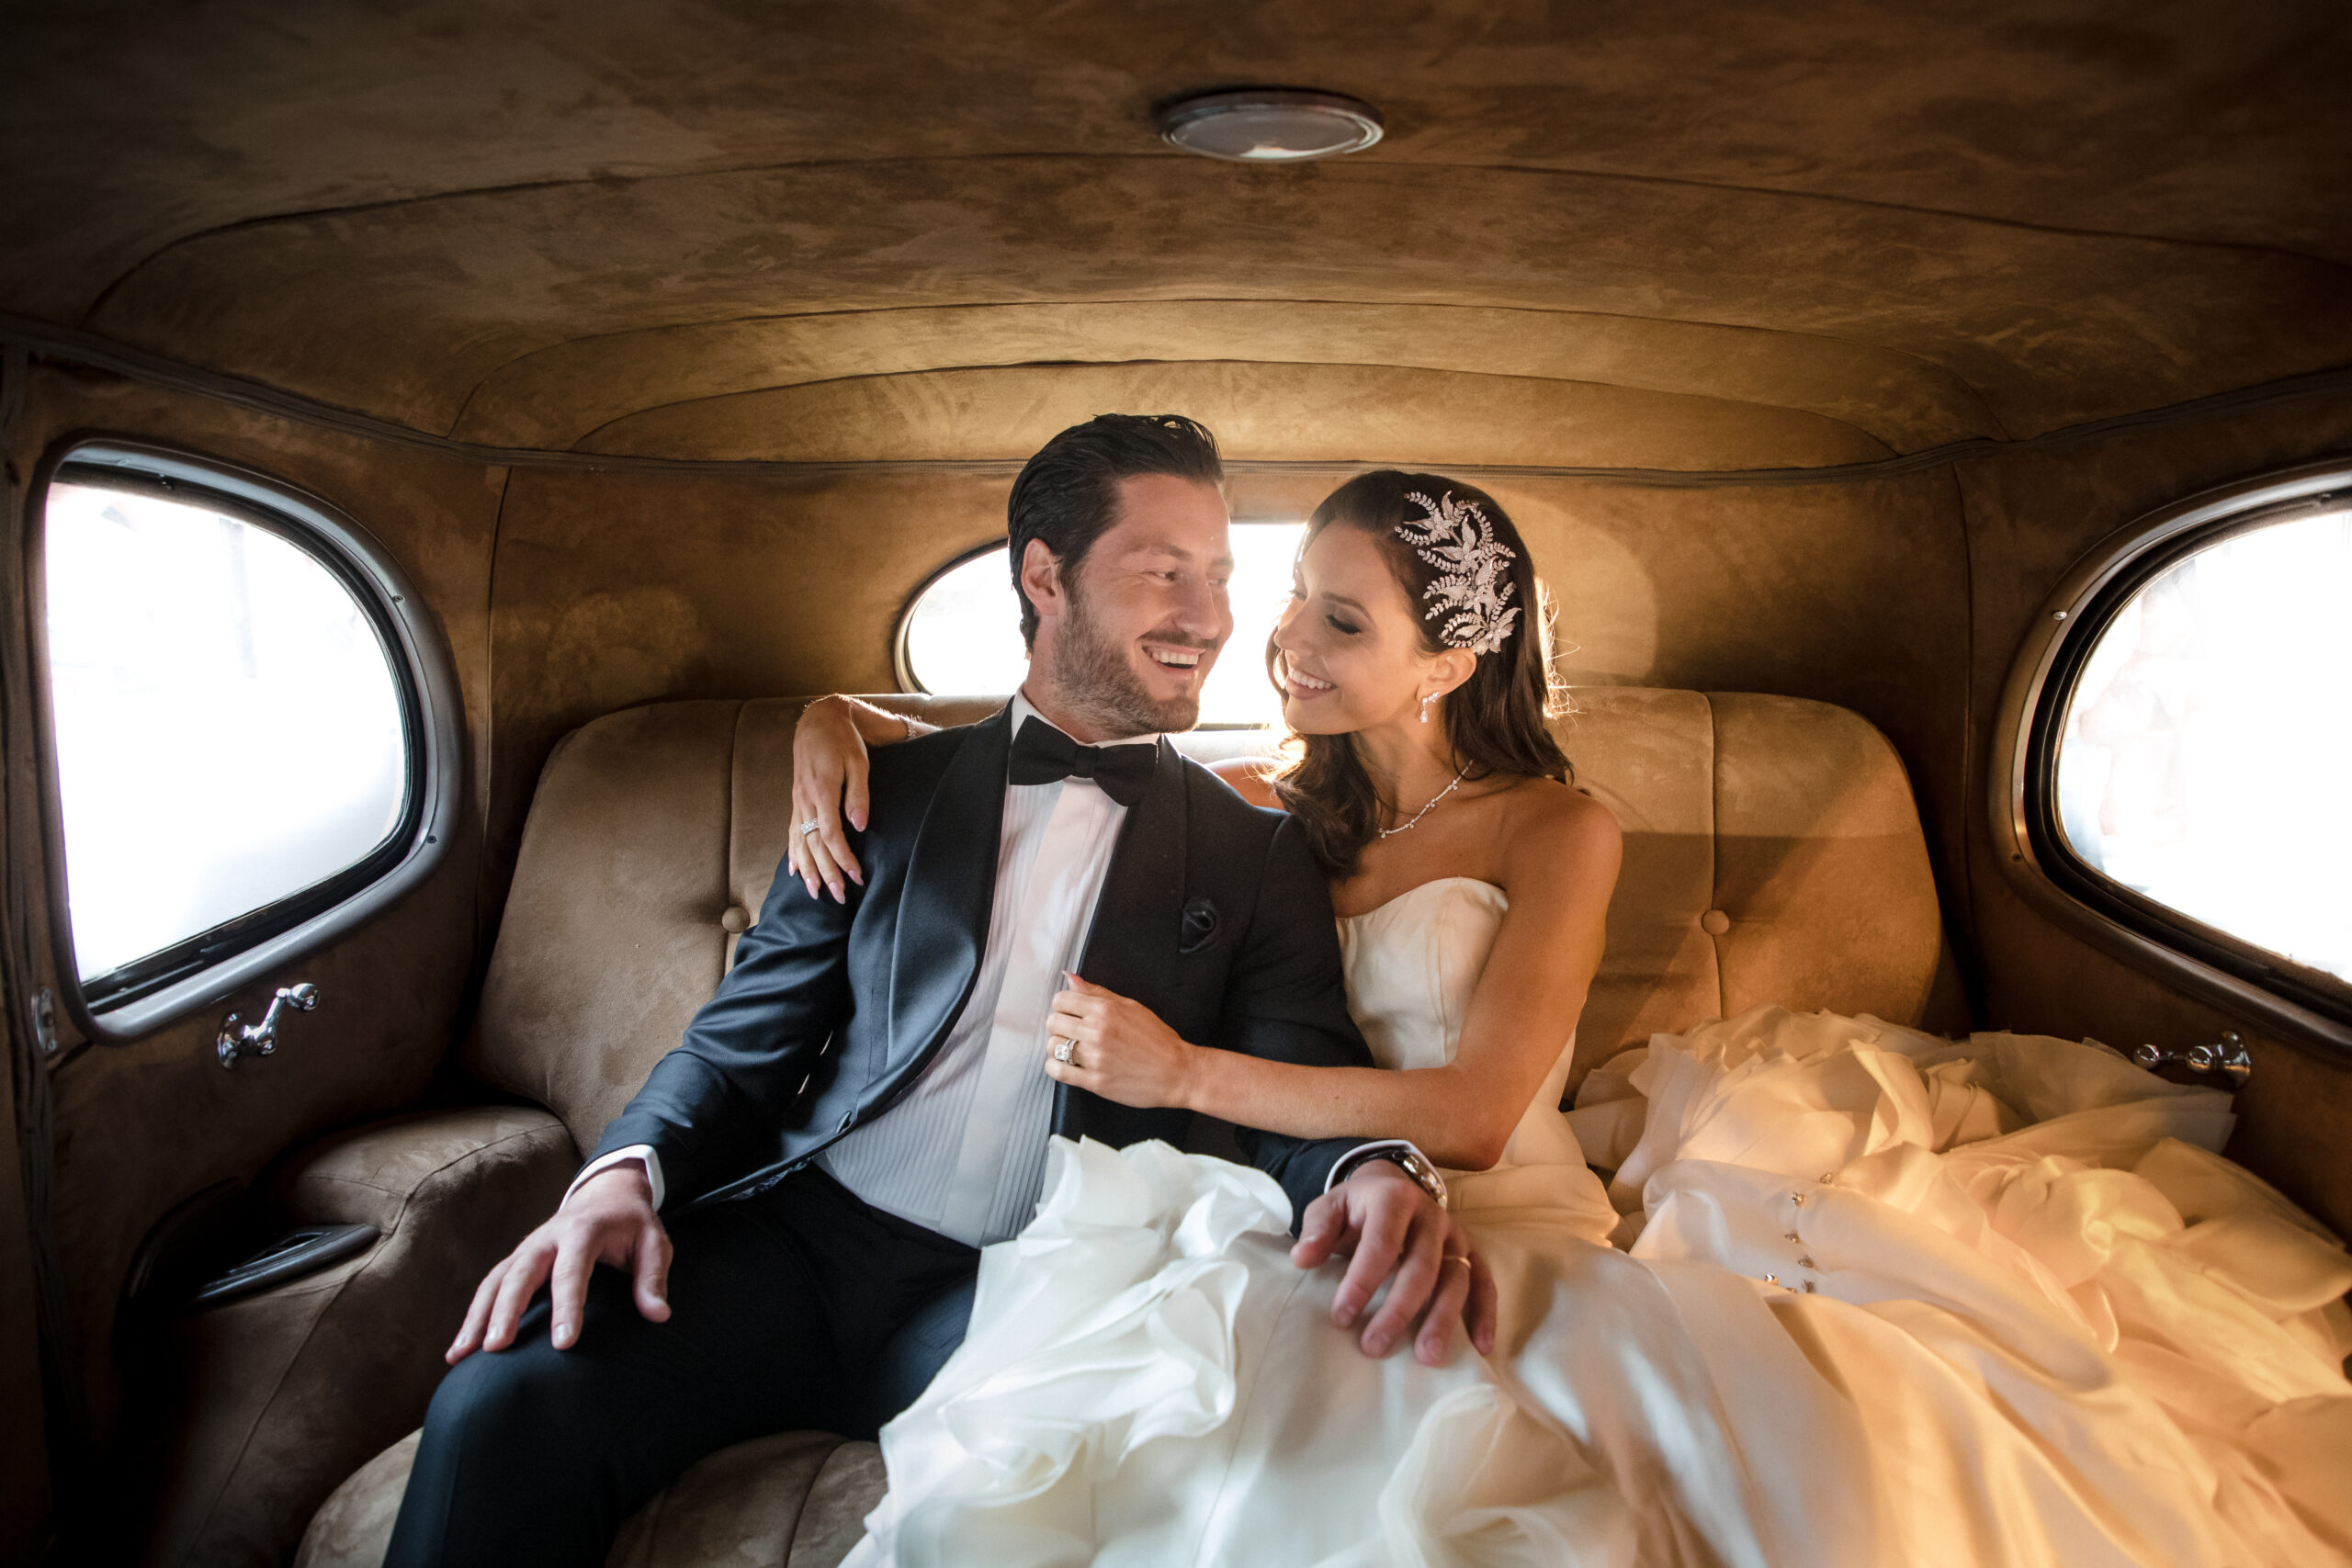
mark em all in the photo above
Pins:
pixel 136 999
pixel 2029 842
pixel 902 667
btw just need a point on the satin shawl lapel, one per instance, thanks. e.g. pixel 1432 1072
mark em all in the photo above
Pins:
pixel 950 886
pixel 1141 908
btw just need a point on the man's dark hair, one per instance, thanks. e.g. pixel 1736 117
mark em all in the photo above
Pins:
pixel 1067 495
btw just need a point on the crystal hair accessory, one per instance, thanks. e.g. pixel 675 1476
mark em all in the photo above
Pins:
pixel 1470 591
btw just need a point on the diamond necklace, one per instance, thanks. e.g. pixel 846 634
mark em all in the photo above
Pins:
pixel 1424 811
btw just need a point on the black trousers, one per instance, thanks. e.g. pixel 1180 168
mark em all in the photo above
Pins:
pixel 799 1307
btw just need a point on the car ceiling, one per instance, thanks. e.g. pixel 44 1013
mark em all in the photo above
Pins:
pixel 1670 235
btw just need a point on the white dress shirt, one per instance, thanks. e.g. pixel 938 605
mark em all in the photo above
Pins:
pixel 962 1152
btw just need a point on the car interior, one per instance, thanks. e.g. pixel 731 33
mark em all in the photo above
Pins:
pixel 447 445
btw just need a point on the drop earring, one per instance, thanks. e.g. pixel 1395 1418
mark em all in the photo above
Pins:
pixel 1424 706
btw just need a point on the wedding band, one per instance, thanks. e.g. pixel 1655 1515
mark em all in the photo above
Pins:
pixel 809 826
pixel 1453 1258
pixel 1064 1048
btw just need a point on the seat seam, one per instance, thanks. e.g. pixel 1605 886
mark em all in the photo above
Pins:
pixel 801 1513
pixel 1714 847
pixel 329 1302
pixel 727 940
pixel 277 1390
pixel 408 1195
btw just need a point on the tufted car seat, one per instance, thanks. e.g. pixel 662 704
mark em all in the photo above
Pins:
pixel 1772 854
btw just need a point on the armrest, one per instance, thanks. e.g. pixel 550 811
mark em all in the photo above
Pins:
pixel 502 1156
pixel 289 1391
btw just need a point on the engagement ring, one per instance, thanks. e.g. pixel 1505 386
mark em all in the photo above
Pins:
pixel 809 826
pixel 1064 1049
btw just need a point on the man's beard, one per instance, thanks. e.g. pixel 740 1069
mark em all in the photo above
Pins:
pixel 1101 687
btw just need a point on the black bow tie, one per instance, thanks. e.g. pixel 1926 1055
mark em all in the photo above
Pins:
pixel 1042 755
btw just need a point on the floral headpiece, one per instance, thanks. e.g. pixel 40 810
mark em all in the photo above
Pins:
pixel 1456 538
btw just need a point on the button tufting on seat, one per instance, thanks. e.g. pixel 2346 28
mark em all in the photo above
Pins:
pixel 737 920
pixel 1714 922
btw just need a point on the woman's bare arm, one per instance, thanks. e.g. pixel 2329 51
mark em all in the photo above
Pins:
pixel 1565 861
pixel 829 773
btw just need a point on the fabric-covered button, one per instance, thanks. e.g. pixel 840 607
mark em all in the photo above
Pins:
pixel 1714 922
pixel 737 920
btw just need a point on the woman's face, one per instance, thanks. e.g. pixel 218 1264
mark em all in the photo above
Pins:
pixel 1349 654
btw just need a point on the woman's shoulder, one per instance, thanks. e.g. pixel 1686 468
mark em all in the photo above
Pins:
pixel 1547 822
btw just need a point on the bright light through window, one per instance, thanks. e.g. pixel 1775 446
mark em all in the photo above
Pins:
pixel 2205 753
pixel 964 633
pixel 228 729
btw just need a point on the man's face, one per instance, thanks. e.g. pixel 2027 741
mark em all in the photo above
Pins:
pixel 1142 619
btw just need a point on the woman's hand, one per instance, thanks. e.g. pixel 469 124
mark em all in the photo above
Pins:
pixel 1119 1049
pixel 829 773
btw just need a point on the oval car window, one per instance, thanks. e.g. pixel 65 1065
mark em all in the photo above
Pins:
pixel 2203 755
pixel 228 728
pixel 962 632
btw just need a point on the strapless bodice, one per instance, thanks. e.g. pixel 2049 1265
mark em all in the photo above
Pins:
pixel 1411 966
pixel 1412 963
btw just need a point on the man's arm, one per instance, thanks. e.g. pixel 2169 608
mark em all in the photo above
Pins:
pixel 746 1053
pixel 750 1049
pixel 1286 1001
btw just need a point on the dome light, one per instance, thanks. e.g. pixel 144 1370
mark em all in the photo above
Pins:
pixel 1269 125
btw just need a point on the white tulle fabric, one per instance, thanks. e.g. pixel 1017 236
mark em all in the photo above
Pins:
pixel 1877 1297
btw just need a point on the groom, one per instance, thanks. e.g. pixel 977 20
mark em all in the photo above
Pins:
pixel 864 1103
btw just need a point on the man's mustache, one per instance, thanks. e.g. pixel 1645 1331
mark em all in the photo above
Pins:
pixel 1184 639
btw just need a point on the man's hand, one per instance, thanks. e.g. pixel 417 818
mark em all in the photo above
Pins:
pixel 1393 1228
pixel 609 1220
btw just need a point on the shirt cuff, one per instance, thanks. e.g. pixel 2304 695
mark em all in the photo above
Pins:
pixel 1345 1165
pixel 641 1151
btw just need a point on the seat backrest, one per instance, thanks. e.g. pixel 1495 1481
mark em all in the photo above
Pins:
pixel 1772 855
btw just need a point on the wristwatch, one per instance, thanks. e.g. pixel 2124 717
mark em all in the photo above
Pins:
pixel 1402 1155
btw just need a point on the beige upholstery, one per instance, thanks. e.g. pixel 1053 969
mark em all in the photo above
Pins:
pixel 287 1389
pixel 794 1500
pixel 1793 818
pixel 1772 854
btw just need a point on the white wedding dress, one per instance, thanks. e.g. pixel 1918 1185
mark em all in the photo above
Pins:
pixel 1881 1298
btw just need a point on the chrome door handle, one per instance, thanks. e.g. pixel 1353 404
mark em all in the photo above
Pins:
pixel 2229 1059
pixel 237 1039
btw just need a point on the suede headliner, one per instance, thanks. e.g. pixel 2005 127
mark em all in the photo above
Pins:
pixel 484 220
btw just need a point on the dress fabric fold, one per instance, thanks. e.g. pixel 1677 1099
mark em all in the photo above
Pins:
pixel 1873 1297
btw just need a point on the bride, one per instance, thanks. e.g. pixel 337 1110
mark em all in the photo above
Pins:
pixel 1888 1298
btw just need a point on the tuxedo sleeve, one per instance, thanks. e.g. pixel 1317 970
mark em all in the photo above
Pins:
pixel 750 1049
pixel 1286 1001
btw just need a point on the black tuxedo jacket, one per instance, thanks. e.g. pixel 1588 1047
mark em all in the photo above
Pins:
pixel 1213 914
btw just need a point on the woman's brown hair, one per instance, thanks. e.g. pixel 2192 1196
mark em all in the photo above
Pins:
pixel 1494 721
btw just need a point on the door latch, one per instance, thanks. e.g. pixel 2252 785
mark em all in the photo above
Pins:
pixel 2228 1061
pixel 237 1039
pixel 45 1022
